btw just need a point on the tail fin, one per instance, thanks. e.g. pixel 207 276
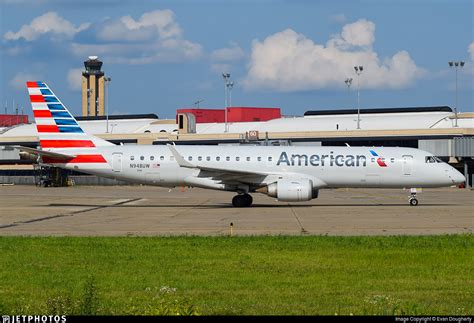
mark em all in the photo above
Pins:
pixel 56 126
pixel 58 129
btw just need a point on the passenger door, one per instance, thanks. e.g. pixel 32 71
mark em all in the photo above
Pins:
pixel 407 165
pixel 117 162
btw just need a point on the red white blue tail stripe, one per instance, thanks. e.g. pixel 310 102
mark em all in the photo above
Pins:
pixel 58 130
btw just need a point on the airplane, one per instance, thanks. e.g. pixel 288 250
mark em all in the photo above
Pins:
pixel 287 173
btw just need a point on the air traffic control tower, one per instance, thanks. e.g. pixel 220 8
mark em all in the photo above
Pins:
pixel 93 88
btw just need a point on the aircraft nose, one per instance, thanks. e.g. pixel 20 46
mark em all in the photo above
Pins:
pixel 457 177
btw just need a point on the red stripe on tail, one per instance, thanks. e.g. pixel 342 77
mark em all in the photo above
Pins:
pixel 31 84
pixel 81 159
pixel 42 114
pixel 50 128
pixel 36 98
pixel 66 143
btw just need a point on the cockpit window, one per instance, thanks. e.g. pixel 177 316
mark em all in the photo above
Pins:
pixel 432 159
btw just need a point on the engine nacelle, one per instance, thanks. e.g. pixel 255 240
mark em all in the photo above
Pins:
pixel 293 190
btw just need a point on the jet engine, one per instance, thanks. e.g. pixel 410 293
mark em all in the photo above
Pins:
pixel 291 190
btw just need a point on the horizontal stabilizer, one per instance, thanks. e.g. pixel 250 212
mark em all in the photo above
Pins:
pixel 45 153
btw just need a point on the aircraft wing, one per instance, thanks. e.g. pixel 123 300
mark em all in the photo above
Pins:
pixel 239 176
pixel 44 153
pixel 217 173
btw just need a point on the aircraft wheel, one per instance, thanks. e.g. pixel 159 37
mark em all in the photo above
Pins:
pixel 242 200
pixel 248 200
pixel 413 202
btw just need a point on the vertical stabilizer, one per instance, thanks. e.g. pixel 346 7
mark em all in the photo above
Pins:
pixel 58 130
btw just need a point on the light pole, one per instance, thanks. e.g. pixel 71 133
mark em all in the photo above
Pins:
pixel 107 81
pixel 348 82
pixel 226 77
pixel 230 85
pixel 456 65
pixel 358 71
pixel 196 104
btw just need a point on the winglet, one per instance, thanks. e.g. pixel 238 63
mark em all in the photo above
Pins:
pixel 180 159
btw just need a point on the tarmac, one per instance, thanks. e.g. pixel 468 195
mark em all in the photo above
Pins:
pixel 154 211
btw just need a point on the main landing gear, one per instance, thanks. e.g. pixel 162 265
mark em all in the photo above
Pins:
pixel 412 199
pixel 242 200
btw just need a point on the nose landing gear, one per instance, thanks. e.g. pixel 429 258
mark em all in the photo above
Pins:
pixel 412 199
pixel 242 200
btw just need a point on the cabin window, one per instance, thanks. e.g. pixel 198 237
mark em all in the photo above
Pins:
pixel 142 157
pixel 162 157
pixel 237 158
pixel 270 158
pixel 200 158
pixel 373 160
pixel 132 157
pixel 190 158
pixel 171 157
pixel 227 158
pixel 248 158
pixel 392 160
pixel 152 157
pixel 208 158
pixel 259 158
pixel 218 158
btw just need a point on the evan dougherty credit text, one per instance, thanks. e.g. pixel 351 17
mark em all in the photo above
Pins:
pixel 426 319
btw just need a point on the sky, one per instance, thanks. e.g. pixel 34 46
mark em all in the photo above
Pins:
pixel 296 55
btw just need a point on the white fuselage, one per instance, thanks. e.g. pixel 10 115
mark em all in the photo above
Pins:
pixel 288 173
pixel 390 167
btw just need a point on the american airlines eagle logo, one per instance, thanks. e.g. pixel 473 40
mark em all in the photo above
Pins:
pixel 379 160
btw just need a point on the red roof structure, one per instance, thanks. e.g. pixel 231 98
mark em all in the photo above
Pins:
pixel 234 114
pixel 8 120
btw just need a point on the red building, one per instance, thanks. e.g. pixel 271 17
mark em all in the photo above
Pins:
pixel 8 120
pixel 205 115
pixel 234 114
pixel 251 114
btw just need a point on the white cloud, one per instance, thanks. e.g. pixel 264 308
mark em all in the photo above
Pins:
pixel 339 18
pixel 126 28
pixel 154 37
pixel 51 23
pixel 74 79
pixel 20 79
pixel 140 53
pixel 288 61
pixel 471 50
pixel 228 54
pixel 359 33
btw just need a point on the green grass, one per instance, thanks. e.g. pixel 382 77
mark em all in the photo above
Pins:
pixel 424 275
